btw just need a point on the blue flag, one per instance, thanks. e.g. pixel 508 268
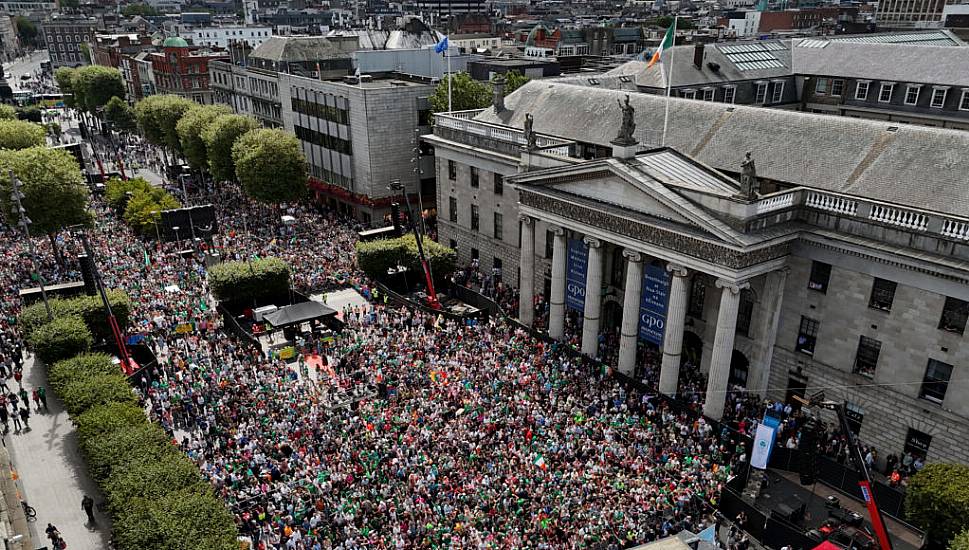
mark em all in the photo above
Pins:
pixel 441 46
pixel 709 534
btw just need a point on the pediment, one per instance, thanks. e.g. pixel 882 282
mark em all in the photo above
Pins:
pixel 615 191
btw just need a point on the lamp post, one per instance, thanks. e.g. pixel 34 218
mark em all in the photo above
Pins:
pixel 156 214
pixel 16 196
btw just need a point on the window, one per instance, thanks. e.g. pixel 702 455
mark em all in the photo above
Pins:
pixel 936 381
pixel 760 92
pixel 854 415
pixel 729 94
pixel 452 170
pixel 882 294
pixel 474 254
pixel 475 219
pixel 499 226
pixel 744 312
pixel 885 93
pixel 499 184
pixel 778 92
pixel 474 177
pixel 452 206
pixel 549 243
pixel 912 95
pixel 820 275
pixel 938 97
pixel 867 357
pixel 837 87
pixel 861 90
pixel 954 314
pixel 497 264
pixel 707 94
pixel 917 443
pixel 807 335
pixel 964 101
pixel 453 244
pixel 822 86
pixel 688 94
pixel 698 294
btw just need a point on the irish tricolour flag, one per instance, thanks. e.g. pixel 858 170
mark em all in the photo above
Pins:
pixel 666 43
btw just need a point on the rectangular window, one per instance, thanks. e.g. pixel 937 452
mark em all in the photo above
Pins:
pixel 760 92
pixel 861 91
pixel 778 94
pixel 452 205
pixel 499 184
pixel 938 97
pixel 936 381
pixel 475 220
pixel 474 177
pixel 497 264
pixel 964 101
pixel 820 275
pixel 882 294
pixel 867 357
pixel 885 93
pixel 474 254
pixel 708 94
pixel 688 94
pixel 912 95
pixel 954 315
pixel 549 243
pixel 453 244
pixel 837 87
pixel 822 86
pixel 452 170
pixel 807 335
pixel 729 94
pixel 744 312
pixel 499 226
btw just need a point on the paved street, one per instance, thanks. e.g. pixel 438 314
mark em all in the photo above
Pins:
pixel 53 475
pixel 22 66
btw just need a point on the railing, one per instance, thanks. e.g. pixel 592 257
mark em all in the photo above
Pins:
pixel 832 203
pixel 899 217
pixel 955 229
pixel 464 121
pixel 776 202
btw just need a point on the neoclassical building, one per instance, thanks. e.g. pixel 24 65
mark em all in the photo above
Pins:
pixel 836 260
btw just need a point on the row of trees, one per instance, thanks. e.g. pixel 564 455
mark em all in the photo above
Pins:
pixel 268 163
pixel 139 202
pixel 468 93
pixel 90 87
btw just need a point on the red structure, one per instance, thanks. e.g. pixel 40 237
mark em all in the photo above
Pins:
pixel 184 70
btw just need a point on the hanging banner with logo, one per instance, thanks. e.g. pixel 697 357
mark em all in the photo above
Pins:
pixel 575 274
pixel 652 305
pixel 763 442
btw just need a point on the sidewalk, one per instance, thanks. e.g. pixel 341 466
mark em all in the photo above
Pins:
pixel 52 472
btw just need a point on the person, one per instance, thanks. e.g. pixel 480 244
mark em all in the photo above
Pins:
pixel 36 397
pixel 87 504
pixel 42 394
pixel 25 416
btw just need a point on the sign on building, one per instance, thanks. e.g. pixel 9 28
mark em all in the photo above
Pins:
pixel 576 268
pixel 652 305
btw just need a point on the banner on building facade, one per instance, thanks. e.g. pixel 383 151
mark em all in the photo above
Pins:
pixel 576 269
pixel 652 304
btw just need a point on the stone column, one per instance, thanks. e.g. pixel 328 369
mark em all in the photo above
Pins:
pixel 593 298
pixel 526 282
pixel 669 374
pixel 768 317
pixel 556 310
pixel 722 347
pixel 629 332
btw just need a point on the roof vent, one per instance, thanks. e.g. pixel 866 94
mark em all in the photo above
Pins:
pixel 731 109
pixel 715 67
pixel 893 128
pixel 594 81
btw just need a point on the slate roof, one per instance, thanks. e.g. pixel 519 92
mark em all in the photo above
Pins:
pixel 905 164
pixel 879 61
pixel 299 48
pixel 373 39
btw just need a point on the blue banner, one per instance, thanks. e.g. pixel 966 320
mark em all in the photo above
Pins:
pixel 575 273
pixel 652 305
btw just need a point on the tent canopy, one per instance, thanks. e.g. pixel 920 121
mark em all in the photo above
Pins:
pixel 299 313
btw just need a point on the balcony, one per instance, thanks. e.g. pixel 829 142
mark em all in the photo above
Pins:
pixel 460 126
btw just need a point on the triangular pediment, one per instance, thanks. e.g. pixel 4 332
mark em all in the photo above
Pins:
pixel 614 190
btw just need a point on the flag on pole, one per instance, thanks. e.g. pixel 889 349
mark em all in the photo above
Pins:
pixel 147 260
pixel 441 46
pixel 540 462
pixel 665 44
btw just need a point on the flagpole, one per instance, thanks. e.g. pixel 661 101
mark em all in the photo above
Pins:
pixel 669 83
pixel 447 53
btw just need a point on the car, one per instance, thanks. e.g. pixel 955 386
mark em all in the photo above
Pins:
pixel 25 77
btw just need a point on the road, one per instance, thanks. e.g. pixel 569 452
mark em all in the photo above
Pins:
pixel 22 66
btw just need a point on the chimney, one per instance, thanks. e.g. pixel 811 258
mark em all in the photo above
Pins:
pixel 498 100
pixel 698 55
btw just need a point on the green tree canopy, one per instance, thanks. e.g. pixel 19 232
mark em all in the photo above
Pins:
pixel 26 30
pixel 55 193
pixel 961 542
pixel 120 115
pixel 116 191
pixel 95 85
pixel 143 10
pixel 158 116
pixel 178 520
pixel 270 165
pixel 219 137
pixel 243 282
pixel 190 129
pixel 62 338
pixel 937 501
pixel 7 112
pixel 20 134
pixel 144 209
pixel 513 81
pixel 466 94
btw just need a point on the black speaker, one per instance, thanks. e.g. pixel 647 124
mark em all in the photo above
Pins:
pixel 395 215
pixel 87 274
pixel 808 447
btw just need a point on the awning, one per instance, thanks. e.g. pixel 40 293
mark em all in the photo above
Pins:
pixel 299 313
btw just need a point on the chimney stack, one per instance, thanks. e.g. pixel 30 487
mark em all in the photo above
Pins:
pixel 498 100
pixel 698 55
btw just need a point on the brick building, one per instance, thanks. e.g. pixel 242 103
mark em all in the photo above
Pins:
pixel 184 70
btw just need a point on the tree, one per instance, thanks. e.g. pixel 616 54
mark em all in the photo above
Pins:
pixel 376 257
pixel 117 191
pixel 62 338
pixel 158 116
pixel 513 81
pixel 143 211
pixel 270 165
pixel 937 501
pixel 219 137
pixel 466 94
pixel 96 86
pixel 178 520
pixel 26 30
pixel 143 10
pixel 243 282
pixel 65 77
pixel 961 542
pixel 7 112
pixel 190 129
pixel 18 134
pixel 120 115
pixel 30 113
pixel 55 195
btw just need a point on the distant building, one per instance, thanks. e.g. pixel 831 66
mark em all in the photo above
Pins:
pixel 138 76
pixel 485 69
pixel 20 8
pixel 183 70
pixel 9 42
pixel 109 49
pixel 450 8
pixel 221 37
pixel 65 35
pixel 910 14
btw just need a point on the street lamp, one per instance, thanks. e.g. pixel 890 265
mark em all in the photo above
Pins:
pixel 16 196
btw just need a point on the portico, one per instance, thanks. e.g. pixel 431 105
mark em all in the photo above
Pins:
pixel 666 218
